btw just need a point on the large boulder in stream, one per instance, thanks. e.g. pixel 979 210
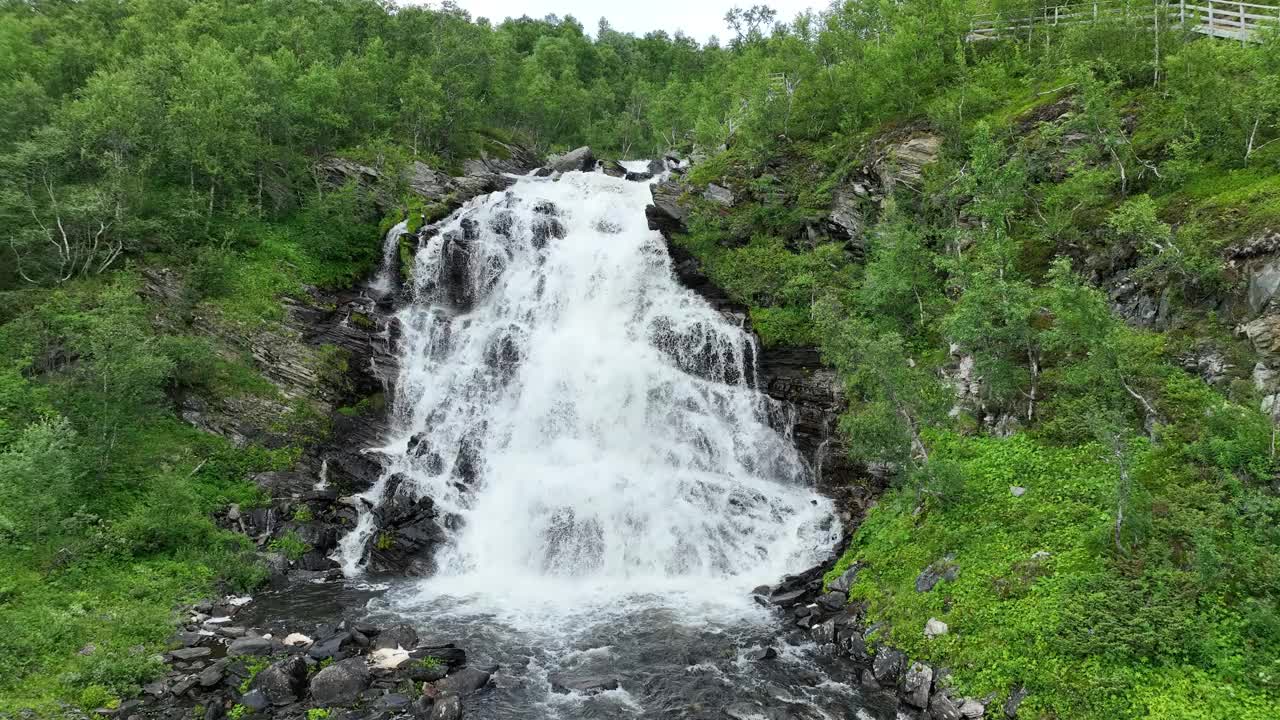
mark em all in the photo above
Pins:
pixel 341 683
pixel 578 159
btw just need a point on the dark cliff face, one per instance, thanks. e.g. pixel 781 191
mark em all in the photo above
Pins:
pixel 806 393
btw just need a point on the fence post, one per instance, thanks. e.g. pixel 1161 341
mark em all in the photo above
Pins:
pixel 1182 13
pixel 1243 29
pixel 1212 29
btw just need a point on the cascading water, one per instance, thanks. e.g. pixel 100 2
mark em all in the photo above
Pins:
pixel 590 436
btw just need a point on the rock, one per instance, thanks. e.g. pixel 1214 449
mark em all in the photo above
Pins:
pixel 845 581
pixel 787 599
pixel 249 646
pixel 888 665
pixel 579 159
pixel 296 640
pixel 397 636
pixel 1263 286
pixel 846 219
pixel 213 674
pixel 832 601
pixel 971 709
pixel 255 700
pixel 584 685
pixel 613 168
pixel 155 689
pixel 868 680
pixel 341 683
pixel 944 569
pixel 916 686
pixel 393 702
pixel 719 194
pixel 1015 699
pixel 330 647
pixel 657 167
pixel 463 682
pixel 181 687
pixel 765 653
pixel 190 653
pixel 904 162
pixel 824 632
pixel 934 628
pixel 282 683
pixel 1017 491
pixel 666 214
pixel 448 707
pixel 942 707
pixel 389 658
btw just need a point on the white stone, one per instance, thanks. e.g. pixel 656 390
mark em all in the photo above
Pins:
pixel 972 709
pixel 1017 491
pixel 389 658
pixel 934 628
pixel 296 639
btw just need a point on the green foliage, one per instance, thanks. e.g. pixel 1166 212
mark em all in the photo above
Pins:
pixel 291 545
pixel 319 714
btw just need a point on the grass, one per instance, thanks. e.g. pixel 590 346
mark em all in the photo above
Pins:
pixel 1038 602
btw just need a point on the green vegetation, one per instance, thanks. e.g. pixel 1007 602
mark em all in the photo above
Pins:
pixel 291 545
pixel 183 135
pixel 429 662
pixel 319 714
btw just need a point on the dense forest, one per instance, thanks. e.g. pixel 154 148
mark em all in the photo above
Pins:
pixel 1139 574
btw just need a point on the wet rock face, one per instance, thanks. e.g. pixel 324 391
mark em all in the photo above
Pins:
pixel 407 534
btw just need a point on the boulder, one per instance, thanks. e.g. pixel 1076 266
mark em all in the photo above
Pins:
pixel 397 636
pixel 942 707
pixel 916 685
pixel 971 709
pixel 189 653
pixel 464 681
pixel 213 674
pixel 832 601
pixel 764 653
pixel 580 159
pixel 944 569
pixel 1015 699
pixel 249 646
pixel 719 195
pixel 584 685
pixel 1017 490
pixel 934 627
pixel 888 665
pixel 282 683
pixel 341 683
pixel 666 214
pixel 845 581
pixel 448 707
pixel 255 701
pixel 613 168
pixel 1263 286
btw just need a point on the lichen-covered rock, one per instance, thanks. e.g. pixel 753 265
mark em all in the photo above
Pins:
pixel 282 683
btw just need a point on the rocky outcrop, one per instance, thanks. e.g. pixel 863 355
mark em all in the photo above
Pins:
pixel 480 176
pixel 840 628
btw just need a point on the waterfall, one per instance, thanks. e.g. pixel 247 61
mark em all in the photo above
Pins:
pixel 385 281
pixel 579 418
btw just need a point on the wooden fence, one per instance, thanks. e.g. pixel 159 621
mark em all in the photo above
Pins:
pixel 1231 19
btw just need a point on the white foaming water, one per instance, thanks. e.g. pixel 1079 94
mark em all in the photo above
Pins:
pixel 585 425
pixel 384 282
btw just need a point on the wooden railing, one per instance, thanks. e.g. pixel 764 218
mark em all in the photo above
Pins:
pixel 1232 19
